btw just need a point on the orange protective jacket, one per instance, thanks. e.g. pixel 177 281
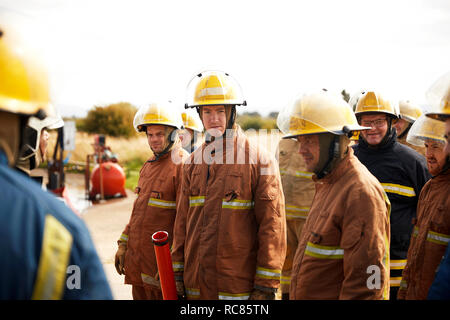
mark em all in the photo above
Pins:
pixel 298 189
pixel 344 249
pixel 429 240
pixel 230 230
pixel 154 210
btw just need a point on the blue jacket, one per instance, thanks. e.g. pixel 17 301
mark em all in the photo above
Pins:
pixel 440 289
pixel 46 250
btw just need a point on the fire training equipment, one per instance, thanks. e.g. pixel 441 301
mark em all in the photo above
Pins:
pixel 164 260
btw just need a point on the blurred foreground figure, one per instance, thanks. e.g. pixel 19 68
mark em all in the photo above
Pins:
pixel 47 250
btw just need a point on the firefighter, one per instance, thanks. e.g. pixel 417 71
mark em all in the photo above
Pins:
pixel 346 235
pixel 298 189
pixel 35 142
pixel 155 206
pixel 439 98
pixel 401 171
pixel 230 233
pixel 191 134
pixel 408 114
pixel 431 232
pixel 47 250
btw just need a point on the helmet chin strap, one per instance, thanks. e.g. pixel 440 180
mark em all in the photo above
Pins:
pixel 166 149
pixel 333 154
pixel 405 132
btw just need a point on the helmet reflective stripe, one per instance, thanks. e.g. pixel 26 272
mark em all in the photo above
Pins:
pixel 399 189
pixel 206 92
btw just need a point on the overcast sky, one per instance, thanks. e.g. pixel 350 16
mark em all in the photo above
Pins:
pixel 103 51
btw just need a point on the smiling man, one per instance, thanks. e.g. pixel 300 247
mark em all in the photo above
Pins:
pixel 155 206
pixel 230 230
pixel 401 171
pixel 432 226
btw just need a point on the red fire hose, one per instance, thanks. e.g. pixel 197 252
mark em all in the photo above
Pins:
pixel 164 260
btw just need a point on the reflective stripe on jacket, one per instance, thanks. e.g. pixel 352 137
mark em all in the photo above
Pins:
pixel 429 240
pixel 345 238
pixel 230 230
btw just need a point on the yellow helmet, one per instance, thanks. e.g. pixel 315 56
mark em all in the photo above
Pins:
pixel 438 96
pixel 157 113
pixel 23 80
pixel 315 113
pixel 191 120
pixel 426 128
pixel 211 88
pixel 372 101
pixel 409 111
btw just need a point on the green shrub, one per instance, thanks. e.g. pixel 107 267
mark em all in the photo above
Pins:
pixel 114 120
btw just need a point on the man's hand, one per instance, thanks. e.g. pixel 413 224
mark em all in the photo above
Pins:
pixel 120 258
pixel 262 295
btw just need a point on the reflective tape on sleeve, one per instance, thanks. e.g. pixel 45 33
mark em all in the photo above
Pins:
pixel 398 264
pixel 296 212
pixel 123 237
pixel 192 293
pixel 53 261
pixel 268 273
pixel 178 266
pixel 438 238
pixel 234 296
pixel 304 174
pixel 399 189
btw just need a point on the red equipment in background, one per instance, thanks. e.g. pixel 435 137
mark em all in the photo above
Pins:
pixel 164 260
pixel 108 177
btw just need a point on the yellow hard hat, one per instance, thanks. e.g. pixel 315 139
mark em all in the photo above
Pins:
pixel 23 79
pixel 191 120
pixel 157 113
pixel 211 88
pixel 426 128
pixel 315 113
pixel 438 96
pixel 409 111
pixel 372 101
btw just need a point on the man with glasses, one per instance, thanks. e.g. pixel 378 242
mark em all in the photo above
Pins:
pixel 401 171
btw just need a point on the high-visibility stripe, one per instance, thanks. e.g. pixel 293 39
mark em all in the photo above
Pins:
pixel 53 261
pixel 153 202
pixel 238 204
pixel 192 293
pixel 386 261
pixel 296 212
pixel 399 189
pixel 177 266
pixel 234 296
pixel 268 273
pixel 149 280
pixel 397 264
pixel 285 280
pixel 324 252
pixel 124 237
pixel 304 174
pixel 415 231
pixel 283 172
pixel 403 284
pixel 196 201
pixel 395 281
pixel 438 238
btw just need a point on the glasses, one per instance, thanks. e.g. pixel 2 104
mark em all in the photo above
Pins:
pixel 375 123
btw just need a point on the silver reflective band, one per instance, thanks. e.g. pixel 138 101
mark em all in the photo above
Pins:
pixel 231 296
pixel 438 238
pixel 399 189
pixel 196 201
pixel 162 203
pixel 238 204
pixel 216 91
